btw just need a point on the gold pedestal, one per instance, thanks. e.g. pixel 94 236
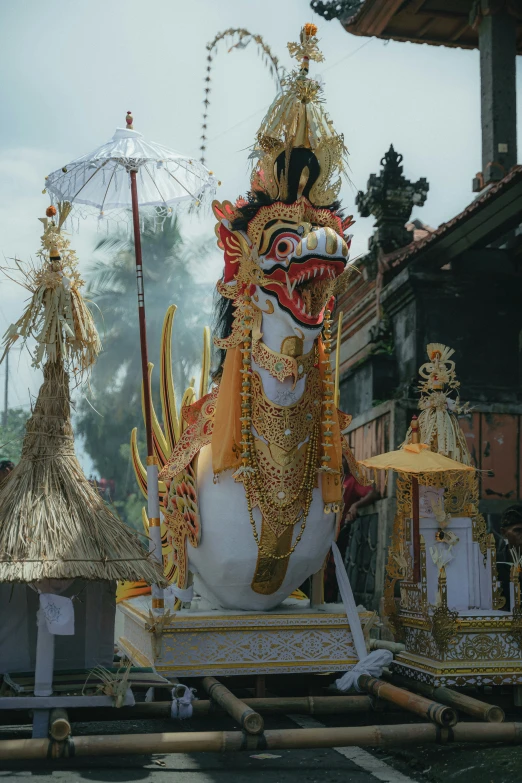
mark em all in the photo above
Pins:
pixel 478 649
pixel 446 646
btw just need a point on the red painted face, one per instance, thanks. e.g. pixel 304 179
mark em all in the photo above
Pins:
pixel 300 266
pixel 298 259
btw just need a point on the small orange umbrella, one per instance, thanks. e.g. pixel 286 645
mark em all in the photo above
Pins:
pixel 415 459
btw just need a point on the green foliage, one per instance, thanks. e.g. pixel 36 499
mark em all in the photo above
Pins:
pixel 11 436
pixel 130 510
pixel 113 408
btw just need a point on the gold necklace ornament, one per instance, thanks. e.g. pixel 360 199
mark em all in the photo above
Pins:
pixel 266 505
pixel 282 366
pixel 275 510
pixel 286 426
pixel 328 403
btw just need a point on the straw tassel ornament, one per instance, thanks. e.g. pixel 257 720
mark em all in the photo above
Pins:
pixel 56 316
pixel 53 522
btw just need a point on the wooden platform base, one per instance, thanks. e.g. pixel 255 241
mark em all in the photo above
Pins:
pixel 293 638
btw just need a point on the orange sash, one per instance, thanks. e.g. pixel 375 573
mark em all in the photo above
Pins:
pixel 226 436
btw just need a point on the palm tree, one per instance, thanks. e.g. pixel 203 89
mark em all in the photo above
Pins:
pixel 169 265
pixel 169 271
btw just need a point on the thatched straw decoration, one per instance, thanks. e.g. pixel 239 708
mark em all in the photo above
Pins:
pixel 115 684
pixel 56 315
pixel 53 523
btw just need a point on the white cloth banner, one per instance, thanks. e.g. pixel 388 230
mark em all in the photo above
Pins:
pixel 181 706
pixel 350 608
pixel 177 592
pixel 58 611
pixel 369 663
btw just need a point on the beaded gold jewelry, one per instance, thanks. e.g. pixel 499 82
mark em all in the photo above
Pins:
pixel 281 366
pixel 267 505
pixel 328 404
pixel 246 394
pixel 297 425
pixel 286 426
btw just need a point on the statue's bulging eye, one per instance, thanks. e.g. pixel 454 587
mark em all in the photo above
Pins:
pixel 285 246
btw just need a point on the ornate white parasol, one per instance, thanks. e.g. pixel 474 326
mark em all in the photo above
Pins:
pixel 129 173
pixel 101 179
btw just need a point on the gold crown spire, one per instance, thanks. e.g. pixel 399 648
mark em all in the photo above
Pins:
pixel 296 119
pixel 307 49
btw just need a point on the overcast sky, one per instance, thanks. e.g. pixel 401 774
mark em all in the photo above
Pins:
pixel 71 70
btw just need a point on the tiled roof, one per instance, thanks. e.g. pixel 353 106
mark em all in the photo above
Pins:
pixel 399 256
pixel 439 22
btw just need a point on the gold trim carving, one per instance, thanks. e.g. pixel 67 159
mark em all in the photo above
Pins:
pixel 516 626
pixel 498 597
pixel 444 620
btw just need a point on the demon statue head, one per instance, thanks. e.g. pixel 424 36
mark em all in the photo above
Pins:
pixel 285 243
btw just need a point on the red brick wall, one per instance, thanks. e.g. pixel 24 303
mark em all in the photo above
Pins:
pixel 495 443
pixel 371 439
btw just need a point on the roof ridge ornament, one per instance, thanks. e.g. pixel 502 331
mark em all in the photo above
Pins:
pixel 390 197
pixel 336 9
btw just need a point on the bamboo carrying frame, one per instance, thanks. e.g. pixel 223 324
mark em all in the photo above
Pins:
pixel 441 728
pixel 227 741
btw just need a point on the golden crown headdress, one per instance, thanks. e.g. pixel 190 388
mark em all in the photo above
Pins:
pixel 297 119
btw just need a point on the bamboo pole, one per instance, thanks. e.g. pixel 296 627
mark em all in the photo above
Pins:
pixel 160 710
pixel 153 508
pixel 248 719
pixel 227 741
pixel 382 644
pixel 478 709
pixel 59 726
pixel 426 708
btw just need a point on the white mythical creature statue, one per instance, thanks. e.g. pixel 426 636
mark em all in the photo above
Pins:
pixel 251 476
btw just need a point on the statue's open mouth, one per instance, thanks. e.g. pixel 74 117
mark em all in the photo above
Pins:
pixel 305 287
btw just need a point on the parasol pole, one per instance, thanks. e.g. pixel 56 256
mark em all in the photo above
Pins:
pixel 153 506
pixel 415 507
pixel 141 312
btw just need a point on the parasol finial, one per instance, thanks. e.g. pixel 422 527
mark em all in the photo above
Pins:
pixel 415 430
pixel 129 119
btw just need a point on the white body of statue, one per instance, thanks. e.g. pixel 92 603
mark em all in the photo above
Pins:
pixel 224 563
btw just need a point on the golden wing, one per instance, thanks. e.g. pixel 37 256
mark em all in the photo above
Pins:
pixel 165 438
